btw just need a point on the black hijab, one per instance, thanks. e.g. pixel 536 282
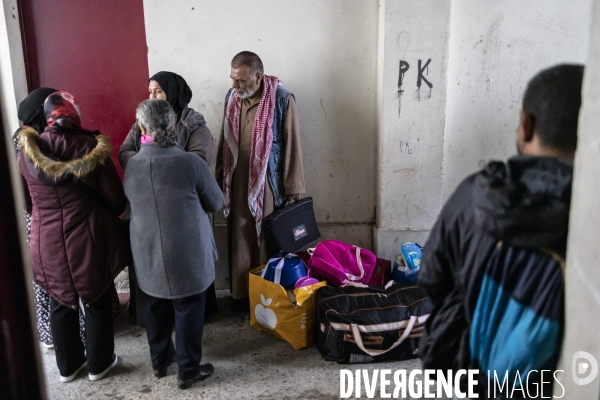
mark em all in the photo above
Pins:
pixel 31 109
pixel 176 88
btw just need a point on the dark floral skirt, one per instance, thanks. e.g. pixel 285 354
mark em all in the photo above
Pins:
pixel 42 313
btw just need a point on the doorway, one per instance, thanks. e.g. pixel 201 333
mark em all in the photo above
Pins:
pixel 97 51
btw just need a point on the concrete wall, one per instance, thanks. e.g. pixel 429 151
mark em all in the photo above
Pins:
pixel 13 84
pixel 412 106
pixel 582 272
pixel 372 156
pixel 367 149
pixel 495 48
pixel 488 51
pixel 325 52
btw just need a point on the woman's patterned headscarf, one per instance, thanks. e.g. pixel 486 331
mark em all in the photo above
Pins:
pixel 61 109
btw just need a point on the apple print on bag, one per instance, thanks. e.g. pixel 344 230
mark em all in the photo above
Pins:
pixel 283 314
pixel 265 316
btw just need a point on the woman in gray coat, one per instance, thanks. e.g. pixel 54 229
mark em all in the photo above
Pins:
pixel 194 136
pixel 171 193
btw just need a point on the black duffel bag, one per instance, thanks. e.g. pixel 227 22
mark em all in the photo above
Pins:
pixel 365 324
pixel 292 227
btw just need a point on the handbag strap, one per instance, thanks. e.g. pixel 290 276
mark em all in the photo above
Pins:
pixel 349 277
pixel 360 267
pixel 373 353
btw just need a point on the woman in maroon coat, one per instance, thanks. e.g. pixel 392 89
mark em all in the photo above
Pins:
pixel 77 244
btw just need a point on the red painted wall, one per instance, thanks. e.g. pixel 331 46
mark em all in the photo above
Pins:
pixel 95 50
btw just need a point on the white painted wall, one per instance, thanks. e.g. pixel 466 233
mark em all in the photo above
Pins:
pixel 17 61
pixel 583 275
pixel 411 124
pixel 13 87
pixel 341 60
pixel 495 48
pixel 324 52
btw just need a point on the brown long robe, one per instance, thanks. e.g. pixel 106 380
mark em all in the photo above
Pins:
pixel 243 250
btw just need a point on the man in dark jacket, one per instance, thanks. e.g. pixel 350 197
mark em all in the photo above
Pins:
pixel 524 202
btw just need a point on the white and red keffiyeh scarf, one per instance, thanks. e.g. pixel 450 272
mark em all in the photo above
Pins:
pixel 262 138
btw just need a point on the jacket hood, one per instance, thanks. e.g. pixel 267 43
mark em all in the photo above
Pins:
pixel 78 167
pixel 192 118
pixel 190 121
pixel 525 201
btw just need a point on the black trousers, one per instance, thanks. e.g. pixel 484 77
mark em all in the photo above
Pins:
pixel 99 336
pixel 187 316
pixel 136 301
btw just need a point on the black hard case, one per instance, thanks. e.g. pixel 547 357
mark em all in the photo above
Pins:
pixel 292 227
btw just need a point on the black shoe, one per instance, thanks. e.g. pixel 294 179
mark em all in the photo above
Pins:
pixel 162 372
pixel 97 377
pixel 209 315
pixel 241 305
pixel 206 370
pixel 132 320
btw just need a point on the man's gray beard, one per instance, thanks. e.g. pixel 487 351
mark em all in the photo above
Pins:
pixel 247 94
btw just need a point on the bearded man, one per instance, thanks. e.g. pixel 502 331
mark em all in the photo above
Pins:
pixel 259 164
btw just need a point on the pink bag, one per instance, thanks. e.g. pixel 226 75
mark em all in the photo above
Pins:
pixel 340 263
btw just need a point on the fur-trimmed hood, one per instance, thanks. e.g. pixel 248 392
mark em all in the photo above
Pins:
pixel 78 167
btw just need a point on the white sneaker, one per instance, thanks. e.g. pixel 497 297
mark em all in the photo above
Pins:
pixel 99 376
pixel 66 379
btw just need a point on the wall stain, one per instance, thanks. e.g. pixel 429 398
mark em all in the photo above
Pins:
pixel 323 107
pixel 406 171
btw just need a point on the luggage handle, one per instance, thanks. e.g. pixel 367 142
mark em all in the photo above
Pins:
pixel 375 288
pixel 373 353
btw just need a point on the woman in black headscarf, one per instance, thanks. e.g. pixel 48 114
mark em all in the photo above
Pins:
pixel 31 109
pixel 192 135
pixel 31 113
pixel 176 91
